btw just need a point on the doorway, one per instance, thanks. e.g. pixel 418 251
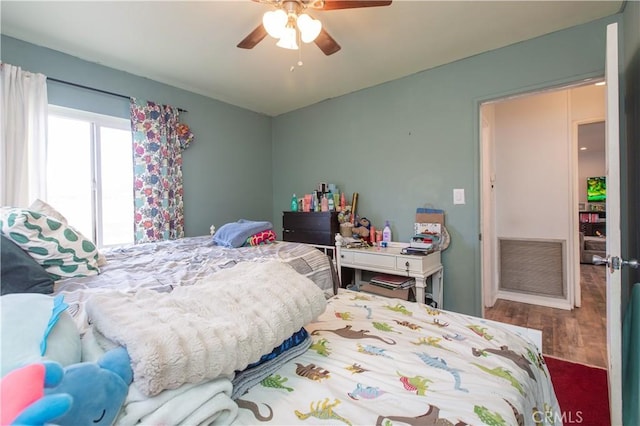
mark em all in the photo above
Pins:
pixel 614 283
pixel 530 194
pixel 592 170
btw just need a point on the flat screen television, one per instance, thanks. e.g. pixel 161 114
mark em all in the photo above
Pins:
pixel 596 189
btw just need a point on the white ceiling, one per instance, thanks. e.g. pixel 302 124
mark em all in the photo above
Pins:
pixel 192 45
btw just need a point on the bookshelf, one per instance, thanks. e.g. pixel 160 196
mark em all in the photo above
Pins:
pixel 592 223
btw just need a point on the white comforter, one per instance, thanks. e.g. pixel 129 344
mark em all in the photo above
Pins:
pixel 166 265
pixel 210 329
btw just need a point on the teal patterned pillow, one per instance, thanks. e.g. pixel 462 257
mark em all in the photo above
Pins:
pixel 61 250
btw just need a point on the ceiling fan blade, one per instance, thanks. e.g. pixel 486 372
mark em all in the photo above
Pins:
pixel 353 4
pixel 253 38
pixel 326 43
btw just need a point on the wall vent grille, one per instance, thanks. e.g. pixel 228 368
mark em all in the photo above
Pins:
pixel 533 267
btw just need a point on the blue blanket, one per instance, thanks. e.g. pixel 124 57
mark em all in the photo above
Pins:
pixel 235 234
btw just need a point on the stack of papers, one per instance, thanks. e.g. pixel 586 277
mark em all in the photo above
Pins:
pixel 393 281
pixel 417 251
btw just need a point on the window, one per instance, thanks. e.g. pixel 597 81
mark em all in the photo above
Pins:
pixel 90 173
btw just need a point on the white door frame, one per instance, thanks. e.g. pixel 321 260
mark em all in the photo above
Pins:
pixel 488 253
pixel 575 222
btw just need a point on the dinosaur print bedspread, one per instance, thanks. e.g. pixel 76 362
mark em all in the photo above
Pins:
pixel 381 361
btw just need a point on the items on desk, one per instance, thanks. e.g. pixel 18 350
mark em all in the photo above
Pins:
pixel 425 215
pixel 427 236
pixel 418 251
pixel 424 241
pixel 362 228
pixel 429 231
pixel 354 204
pixel 386 232
pixel 393 281
pixel 344 216
pixel 398 293
pixel 358 243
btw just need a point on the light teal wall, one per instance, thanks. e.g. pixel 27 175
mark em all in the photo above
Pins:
pixel 227 169
pixel 410 142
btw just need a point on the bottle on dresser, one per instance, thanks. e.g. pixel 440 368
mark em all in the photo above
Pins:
pixel 386 232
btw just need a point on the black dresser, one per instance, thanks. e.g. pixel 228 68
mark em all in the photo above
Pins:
pixel 310 227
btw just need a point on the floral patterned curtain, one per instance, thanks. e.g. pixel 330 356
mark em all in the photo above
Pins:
pixel 158 142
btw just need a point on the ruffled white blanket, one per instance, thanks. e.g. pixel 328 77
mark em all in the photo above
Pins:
pixel 208 403
pixel 210 329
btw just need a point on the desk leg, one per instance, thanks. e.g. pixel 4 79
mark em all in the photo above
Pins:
pixel 420 286
pixel 357 277
pixel 337 257
pixel 436 287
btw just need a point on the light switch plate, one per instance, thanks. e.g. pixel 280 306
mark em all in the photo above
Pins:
pixel 458 196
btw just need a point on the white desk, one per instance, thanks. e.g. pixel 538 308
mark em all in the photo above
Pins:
pixel 390 260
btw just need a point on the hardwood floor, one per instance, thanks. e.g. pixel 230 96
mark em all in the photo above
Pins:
pixel 579 335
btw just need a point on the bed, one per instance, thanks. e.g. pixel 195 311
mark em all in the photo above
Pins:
pixel 358 359
pixel 380 361
pixel 364 359
pixel 256 335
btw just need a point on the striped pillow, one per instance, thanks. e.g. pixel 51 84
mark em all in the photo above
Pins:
pixel 59 248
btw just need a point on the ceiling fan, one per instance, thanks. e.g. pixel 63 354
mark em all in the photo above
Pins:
pixel 290 20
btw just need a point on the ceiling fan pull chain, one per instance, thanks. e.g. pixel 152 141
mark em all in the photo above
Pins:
pixel 293 67
pixel 299 50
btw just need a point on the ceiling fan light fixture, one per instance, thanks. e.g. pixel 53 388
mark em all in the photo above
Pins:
pixel 309 28
pixel 289 17
pixel 274 22
pixel 288 39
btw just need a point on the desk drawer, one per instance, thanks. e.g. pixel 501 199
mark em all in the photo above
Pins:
pixel 308 236
pixel 418 263
pixel 412 265
pixel 346 257
pixel 374 260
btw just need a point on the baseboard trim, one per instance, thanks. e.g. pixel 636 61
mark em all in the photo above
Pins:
pixel 535 300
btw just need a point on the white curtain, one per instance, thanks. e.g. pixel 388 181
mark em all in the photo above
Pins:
pixel 23 124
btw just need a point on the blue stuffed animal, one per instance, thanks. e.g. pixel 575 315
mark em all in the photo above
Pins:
pixel 22 395
pixel 36 391
pixel 87 393
pixel 98 389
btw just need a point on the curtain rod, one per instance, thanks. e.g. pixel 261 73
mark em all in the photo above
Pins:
pixel 97 90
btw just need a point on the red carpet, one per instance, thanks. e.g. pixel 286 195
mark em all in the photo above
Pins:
pixel 582 392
